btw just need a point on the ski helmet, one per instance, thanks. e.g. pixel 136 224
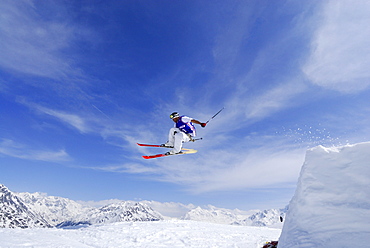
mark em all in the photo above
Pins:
pixel 174 115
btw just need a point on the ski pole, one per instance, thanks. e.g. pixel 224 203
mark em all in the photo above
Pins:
pixel 215 115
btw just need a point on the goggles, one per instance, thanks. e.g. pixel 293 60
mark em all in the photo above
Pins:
pixel 174 115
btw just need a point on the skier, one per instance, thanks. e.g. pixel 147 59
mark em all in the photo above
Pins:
pixel 183 131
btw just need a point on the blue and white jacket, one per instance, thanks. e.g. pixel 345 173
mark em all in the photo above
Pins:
pixel 185 125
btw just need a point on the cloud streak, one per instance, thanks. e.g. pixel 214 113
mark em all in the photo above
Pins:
pixel 272 100
pixel 32 45
pixel 71 119
pixel 340 58
pixel 13 149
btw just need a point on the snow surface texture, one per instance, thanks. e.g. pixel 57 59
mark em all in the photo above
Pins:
pixel 171 233
pixel 331 205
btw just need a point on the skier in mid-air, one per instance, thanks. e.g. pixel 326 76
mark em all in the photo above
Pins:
pixel 183 131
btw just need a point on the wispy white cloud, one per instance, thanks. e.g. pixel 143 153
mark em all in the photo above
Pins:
pixel 33 45
pixel 116 132
pixel 270 101
pixel 134 168
pixel 340 58
pixel 71 119
pixel 13 149
pixel 278 85
pixel 256 168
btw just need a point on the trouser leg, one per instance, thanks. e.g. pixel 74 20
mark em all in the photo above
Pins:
pixel 171 136
pixel 179 139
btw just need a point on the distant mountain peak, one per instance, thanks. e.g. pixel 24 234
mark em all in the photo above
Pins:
pixel 14 213
pixel 270 217
pixel 117 212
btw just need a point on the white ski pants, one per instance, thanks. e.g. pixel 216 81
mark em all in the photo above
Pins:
pixel 176 138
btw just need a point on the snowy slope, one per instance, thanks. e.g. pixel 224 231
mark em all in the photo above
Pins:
pixel 14 213
pixel 171 234
pixel 331 205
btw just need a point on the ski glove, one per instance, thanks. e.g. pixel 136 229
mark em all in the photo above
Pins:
pixel 203 124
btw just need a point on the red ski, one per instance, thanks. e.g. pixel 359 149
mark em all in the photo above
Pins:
pixel 183 151
pixel 148 145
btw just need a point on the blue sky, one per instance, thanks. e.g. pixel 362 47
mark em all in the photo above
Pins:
pixel 82 81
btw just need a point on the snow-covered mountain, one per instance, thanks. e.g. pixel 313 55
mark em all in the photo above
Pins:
pixel 212 214
pixel 115 212
pixel 53 209
pixel 15 213
pixel 270 218
pixel 39 210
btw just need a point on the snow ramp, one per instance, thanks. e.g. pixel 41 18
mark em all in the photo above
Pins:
pixel 331 205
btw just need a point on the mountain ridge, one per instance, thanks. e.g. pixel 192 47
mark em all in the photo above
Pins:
pixel 27 210
pixel 15 213
pixel 41 210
